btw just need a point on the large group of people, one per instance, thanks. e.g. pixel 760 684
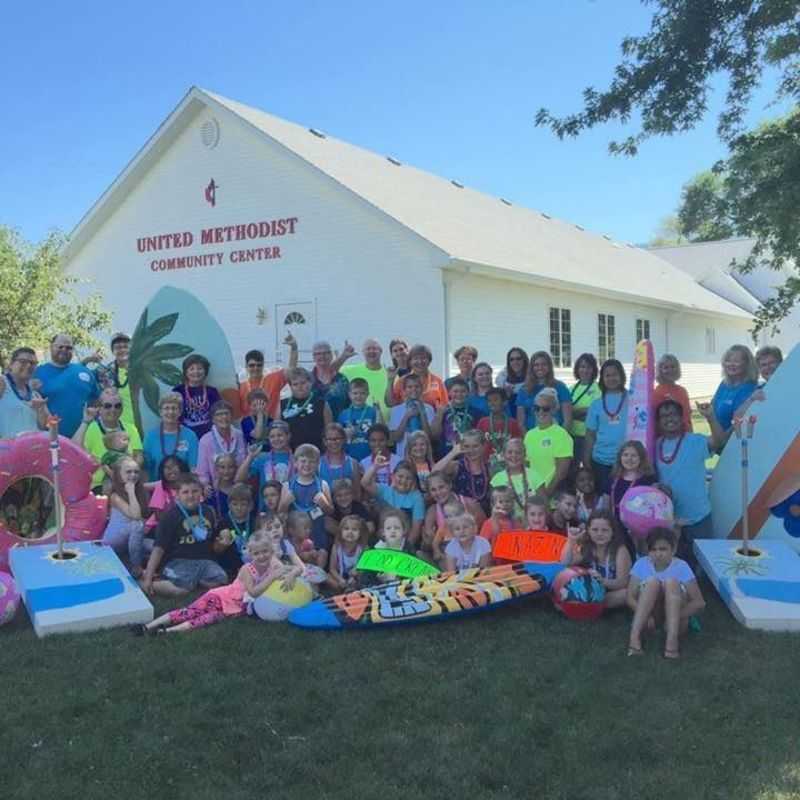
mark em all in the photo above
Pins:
pixel 307 468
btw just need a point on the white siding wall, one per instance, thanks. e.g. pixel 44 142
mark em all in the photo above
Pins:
pixel 494 315
pixel 366 273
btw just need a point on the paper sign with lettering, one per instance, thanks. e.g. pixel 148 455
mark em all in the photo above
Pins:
pixel 529 546
pixel 395 562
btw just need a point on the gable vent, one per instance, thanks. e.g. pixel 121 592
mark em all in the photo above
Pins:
pixel 209 133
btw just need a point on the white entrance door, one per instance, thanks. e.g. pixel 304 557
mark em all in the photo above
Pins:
pixel 299 319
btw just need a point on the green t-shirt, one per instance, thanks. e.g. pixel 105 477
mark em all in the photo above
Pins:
pixel 544 445
pixel 93 443
pixel 534 482
pixel 582 398
pixel 377 380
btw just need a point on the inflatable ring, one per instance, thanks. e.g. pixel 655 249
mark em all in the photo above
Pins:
pixel 28 456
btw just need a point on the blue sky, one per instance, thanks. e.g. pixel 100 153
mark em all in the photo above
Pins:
pixel 451 87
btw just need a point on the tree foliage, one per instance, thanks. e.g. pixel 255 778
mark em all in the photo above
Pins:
pixel 37 300
pixel 666 78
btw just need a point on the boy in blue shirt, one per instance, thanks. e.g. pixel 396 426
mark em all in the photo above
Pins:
pixel 358 418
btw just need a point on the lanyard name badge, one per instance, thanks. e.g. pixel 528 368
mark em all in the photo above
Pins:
pixel 196 524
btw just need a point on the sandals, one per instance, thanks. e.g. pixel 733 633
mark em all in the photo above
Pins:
pixel 672 654
pixel 635 651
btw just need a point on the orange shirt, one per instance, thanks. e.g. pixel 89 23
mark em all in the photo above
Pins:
pixel 271 383
pixel 434 392
pixel 672 391
pixel 492 527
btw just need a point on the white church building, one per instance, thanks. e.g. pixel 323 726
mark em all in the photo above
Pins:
pixel 273 225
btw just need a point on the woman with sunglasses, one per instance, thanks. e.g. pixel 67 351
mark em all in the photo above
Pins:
pixel 548 446
pixel 271 383
pixel 97 421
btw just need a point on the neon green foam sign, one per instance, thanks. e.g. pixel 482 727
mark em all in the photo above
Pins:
pixel 395 562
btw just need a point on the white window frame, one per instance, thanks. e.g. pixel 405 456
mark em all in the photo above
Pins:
pixel 560 329
pixel 606 337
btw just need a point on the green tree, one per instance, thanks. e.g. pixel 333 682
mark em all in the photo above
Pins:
pixel 666 77
pixel 38 300
pixel 703 212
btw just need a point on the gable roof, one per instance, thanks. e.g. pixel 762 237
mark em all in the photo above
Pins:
pixel 469 226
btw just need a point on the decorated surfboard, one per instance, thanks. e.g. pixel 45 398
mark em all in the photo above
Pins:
pixel 438 597
pixel 529 546
pixel 174 324
pixel 774 465
pixel 641 425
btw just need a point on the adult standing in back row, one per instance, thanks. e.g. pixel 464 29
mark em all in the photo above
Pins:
pixel 67 387
pixel 373 372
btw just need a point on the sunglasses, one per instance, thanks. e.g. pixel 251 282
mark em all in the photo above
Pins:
pixel 542 410
pixel 108 406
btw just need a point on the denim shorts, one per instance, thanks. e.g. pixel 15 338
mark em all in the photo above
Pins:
pixel 188 573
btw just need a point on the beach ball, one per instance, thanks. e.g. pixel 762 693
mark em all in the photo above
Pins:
pixel 276 602
pixel 643 508
pixel 578 594
pixel 9 598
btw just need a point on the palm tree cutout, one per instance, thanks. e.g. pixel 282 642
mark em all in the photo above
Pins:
pixel 149 362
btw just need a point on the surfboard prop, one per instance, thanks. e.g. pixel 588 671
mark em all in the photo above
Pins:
pixel 529 546
pixel 641 418
pixel 395 562
pixel 447 595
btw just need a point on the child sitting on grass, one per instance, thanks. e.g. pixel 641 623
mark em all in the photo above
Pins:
pixel 185 543
pixel 348 546
pixel 664 589
pixel 393 530
pixel 263 569
pixel 564 513
pixel 298 531
pixel 605 555
pixel 466 549
pixel 501 518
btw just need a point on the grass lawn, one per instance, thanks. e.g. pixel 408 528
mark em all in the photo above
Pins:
pixel 519 703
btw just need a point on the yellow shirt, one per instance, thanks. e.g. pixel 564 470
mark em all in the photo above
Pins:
pixel 93 443
pixel 544 445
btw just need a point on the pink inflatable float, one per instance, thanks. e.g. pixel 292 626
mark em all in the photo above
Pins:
pixel 28 456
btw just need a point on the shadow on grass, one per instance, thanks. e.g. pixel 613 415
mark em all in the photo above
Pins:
pixel 514 703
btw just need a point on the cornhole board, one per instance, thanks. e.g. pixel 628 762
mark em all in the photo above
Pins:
pixel 762 592
pixel 774 455
pixel 90 591
pixel 641 425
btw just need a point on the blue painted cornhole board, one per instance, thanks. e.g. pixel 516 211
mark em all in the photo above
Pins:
pixel 91 591
pixel 761 592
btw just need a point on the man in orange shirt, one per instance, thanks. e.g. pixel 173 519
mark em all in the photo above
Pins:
pixel 434 392
pixel 271 383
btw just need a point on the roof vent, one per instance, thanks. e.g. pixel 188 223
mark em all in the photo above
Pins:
pixel 456 183
pixel 209 133
pixel 546 216
pixel 393 161
pixel 580 227
pixel 606 236
pixel 317 133
pixel 503 200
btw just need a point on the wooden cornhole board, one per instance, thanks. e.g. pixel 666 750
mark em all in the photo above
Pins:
pixel 90 591
pixel 762 592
